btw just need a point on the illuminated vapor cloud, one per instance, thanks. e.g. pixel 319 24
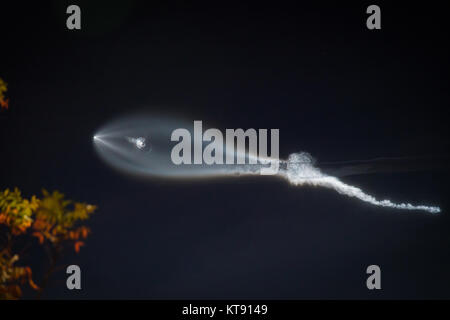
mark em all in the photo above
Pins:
pixel 300 171
pixel 142 145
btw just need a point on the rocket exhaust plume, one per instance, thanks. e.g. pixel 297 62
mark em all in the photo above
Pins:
pixel 142 145
pixel 299 170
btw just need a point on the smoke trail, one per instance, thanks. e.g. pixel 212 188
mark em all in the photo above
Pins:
pixel 386 164
pixel 141 145
pixel 299 170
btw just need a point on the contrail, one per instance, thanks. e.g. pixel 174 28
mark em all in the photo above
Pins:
pixel 386 164
pixel 142 145
pixel 299 170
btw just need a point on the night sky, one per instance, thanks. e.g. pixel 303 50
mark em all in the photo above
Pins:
pixel 314 71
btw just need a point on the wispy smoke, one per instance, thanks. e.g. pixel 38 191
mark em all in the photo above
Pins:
pixel 300 170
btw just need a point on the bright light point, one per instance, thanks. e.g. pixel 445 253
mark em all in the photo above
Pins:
pixel 140 143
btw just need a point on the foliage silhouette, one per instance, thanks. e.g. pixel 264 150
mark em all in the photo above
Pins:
pixel 53 221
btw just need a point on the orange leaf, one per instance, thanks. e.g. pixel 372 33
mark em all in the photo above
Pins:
pixel 4 104
pixel 30 278
pixel 78 244
pixel 84 232
pixel 40 236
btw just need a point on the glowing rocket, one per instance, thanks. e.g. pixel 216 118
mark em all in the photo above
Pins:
pixel 140 143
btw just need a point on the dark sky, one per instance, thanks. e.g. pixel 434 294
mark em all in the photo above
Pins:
pixel 332 87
